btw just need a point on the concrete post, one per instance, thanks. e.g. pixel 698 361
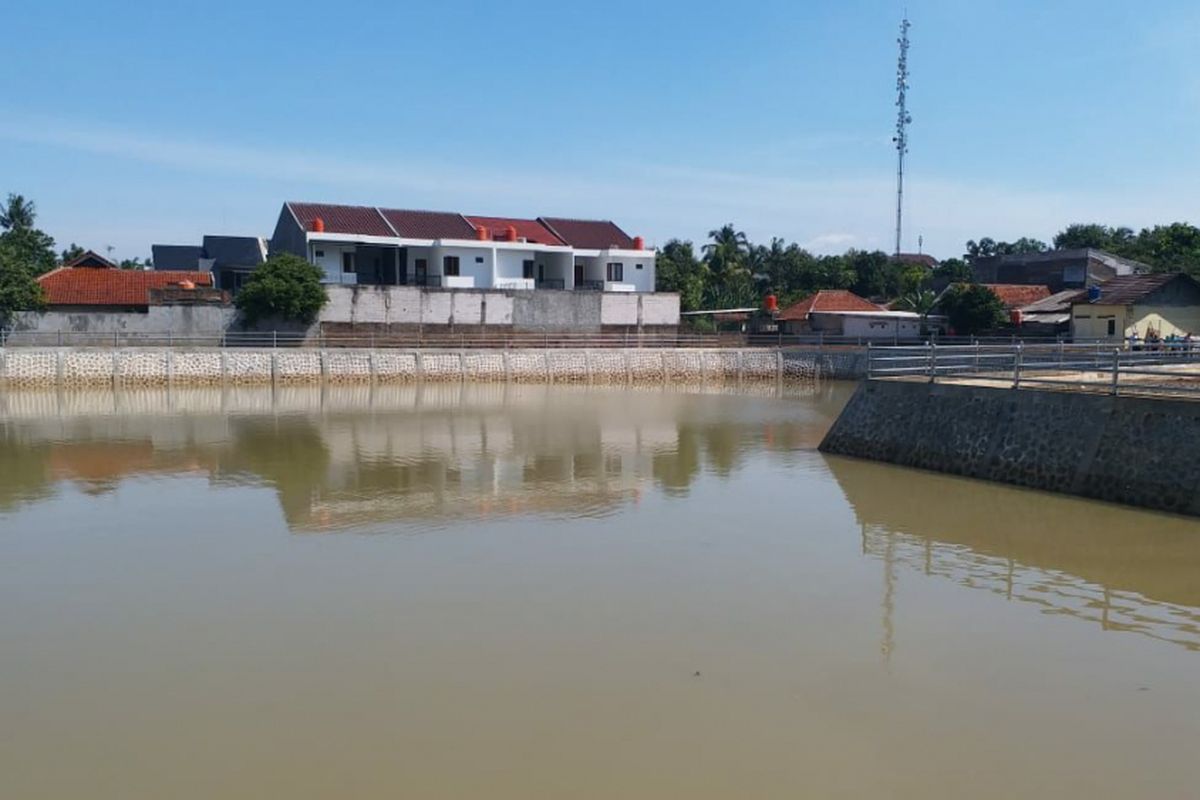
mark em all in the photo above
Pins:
pixel 274 367
pixel 933 362
pixel 419 366
pixel 1116 370
pixel 1017 366
pixel 224 367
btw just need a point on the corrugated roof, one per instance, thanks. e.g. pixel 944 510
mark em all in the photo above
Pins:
pixel 827 300
pixel 588 234
pixel 1125 290
pixel 528 229
pixel 361 220
pixel 90 286
pixel 1016 295
pixel 428 224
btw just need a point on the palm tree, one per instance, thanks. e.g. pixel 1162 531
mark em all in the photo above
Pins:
pixel 728 246
pixel 18 213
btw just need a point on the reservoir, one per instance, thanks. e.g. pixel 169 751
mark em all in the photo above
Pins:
pixel 525 591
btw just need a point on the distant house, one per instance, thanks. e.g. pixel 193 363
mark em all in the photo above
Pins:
pixel 1049 316
pixel 1057 269
pixel 838 312
pixel 90 258
pixel 1015 295
pixel 108 288
pixel 230 259
pixel 917 259
pixel 1165 303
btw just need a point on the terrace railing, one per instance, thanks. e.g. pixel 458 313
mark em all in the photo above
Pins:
pixel 1167 368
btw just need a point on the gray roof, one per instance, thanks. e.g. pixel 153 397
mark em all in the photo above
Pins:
pixel 234 251
pixel 176 256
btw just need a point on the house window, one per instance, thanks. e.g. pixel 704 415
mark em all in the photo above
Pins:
pixel 320 254
pixel 450 265
pixel 526 269
pixel 639 266
pixel 1112 327
pixel 615 271
pixel 478 259
pixel 347 262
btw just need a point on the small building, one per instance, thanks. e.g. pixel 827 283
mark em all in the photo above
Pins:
pixel 108 288
pixel 1049 316
pixel 92 259
pixel 230 259
pixel 837 312
pixel 1162 303
pixel 1014 296
pixel 1056 269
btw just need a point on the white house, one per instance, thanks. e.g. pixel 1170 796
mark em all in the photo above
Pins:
pixel 393 247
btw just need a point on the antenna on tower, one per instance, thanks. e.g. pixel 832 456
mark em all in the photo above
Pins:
pixel 903 118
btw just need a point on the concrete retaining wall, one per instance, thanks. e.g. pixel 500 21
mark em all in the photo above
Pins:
pixel 80 367
pixel 1132 450
pixel 521 311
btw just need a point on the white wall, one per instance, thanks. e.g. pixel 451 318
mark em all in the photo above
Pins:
pixel 509 262
pixel 331 261
pixel 481 272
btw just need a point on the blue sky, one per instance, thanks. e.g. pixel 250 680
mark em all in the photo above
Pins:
pixel 133 123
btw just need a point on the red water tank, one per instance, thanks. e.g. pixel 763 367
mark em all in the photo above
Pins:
pixel 482 233
pixel 639 243
pixel 771 303
pixel 510 234
pixel 318 225
pixel 1016 317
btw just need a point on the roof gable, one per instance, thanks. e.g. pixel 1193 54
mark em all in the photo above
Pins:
pixel 92 260
pixel 83 286
pixel 828 300
pixel 588 234
pixel 531 230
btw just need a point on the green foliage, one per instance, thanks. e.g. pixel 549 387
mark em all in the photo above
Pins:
pixel 920 301
pixel 954 270
pixel 987 246
pixel 18 213
pixel 678 270
pixel 286 288
pixel 972 308
pixel 19 289
pixel 136 263
pixel 30 248
pixel 71 253
pixel 1099 237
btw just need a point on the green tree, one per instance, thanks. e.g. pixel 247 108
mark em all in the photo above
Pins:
pixel 18 213
pixel 1100 237
pixel 676 269
pixel 875 274
pixel 30 248
pixel 920 301
pixel 135 263
pixel 1168 248
pixel 987 247
pixel 972 308
pixel 71 253
pixel 285 288
pixel 19 289
pixel 954 270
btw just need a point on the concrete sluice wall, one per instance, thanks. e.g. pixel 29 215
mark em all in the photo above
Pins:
pixel 148 367
pixel 1137 451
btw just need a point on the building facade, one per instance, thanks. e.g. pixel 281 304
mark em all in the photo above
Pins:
pixel 366 245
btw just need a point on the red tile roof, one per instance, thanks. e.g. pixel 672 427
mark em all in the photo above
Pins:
pixel 1016 295
pixel 827 300
pixel 362 220
pixel 428 224
pixel 528 229
pixel 99 286
pixel 588 234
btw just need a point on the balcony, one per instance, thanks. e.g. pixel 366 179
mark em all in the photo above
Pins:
pixel 458 281
pixel 589 286
pixel 519 284
pixel 552 283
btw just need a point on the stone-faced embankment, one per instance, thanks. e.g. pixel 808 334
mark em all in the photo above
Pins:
pixel 67 367
pixel 1133 450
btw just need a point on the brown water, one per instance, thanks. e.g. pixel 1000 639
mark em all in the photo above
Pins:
pixel 526 592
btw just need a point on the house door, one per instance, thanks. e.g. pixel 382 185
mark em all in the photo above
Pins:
pixel 421 268
pixel 578 274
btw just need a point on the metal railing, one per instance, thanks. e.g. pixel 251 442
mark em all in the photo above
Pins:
pixel 589 286
pixel 552 283
pixel 1170 368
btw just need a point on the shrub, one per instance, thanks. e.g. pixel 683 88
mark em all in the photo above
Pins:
pixel 286 288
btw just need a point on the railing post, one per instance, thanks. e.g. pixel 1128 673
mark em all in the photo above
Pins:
pixel 274 339
pixel 1017 365
pixel 870 357
pixel 933 362
pixel 1116 370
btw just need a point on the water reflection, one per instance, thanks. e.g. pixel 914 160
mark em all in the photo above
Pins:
pixel 365 457
pixel 1122 569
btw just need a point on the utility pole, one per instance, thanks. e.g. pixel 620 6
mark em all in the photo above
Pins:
pixel 903 119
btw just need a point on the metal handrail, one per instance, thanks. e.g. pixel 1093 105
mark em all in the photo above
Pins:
pixel 1070 365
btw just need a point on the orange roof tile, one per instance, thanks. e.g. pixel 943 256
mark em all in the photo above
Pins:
pixel 1016 295
pixel 92 286
pixel 827 300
